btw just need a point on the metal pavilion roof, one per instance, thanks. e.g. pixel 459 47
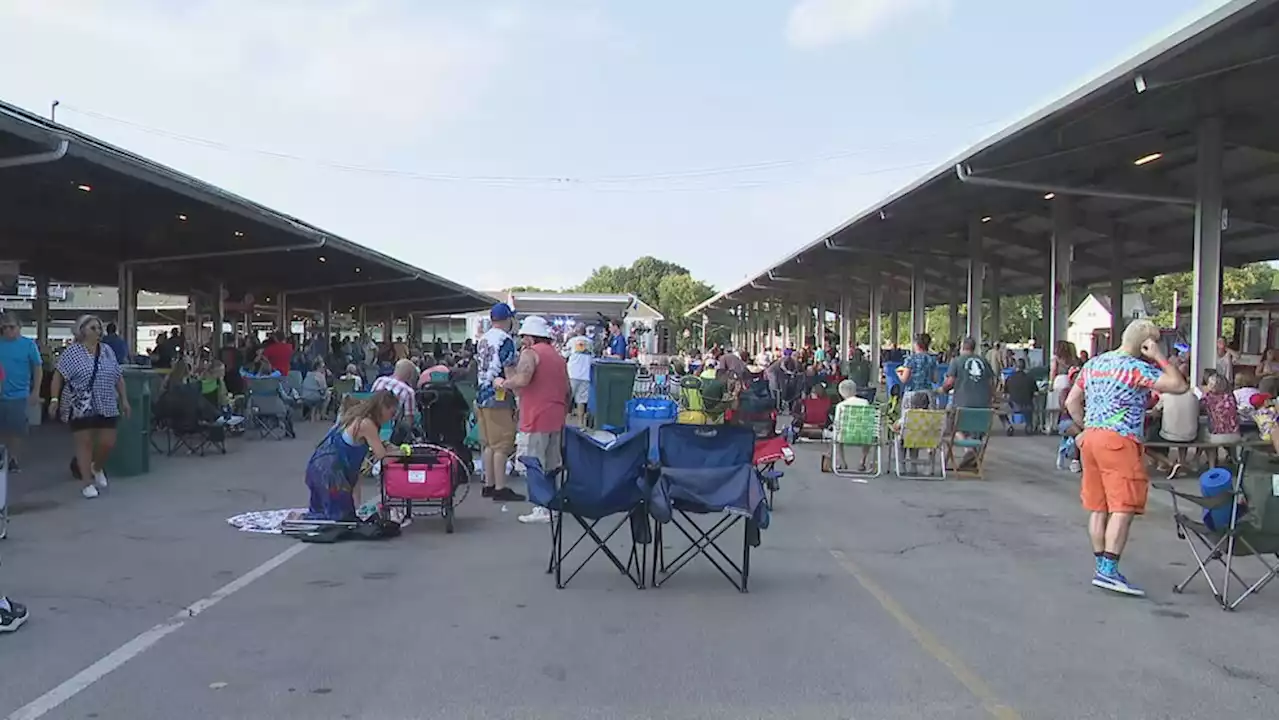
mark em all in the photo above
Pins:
pixel 94 205
pixel 1224 64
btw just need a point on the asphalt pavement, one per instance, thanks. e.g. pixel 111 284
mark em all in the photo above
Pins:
pixel 891 599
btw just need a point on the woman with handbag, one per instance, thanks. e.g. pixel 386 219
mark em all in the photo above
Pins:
pixel 87 393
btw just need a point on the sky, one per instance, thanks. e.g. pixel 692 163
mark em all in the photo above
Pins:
pixel 526 142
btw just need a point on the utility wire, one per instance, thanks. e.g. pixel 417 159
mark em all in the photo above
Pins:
pixel 613 183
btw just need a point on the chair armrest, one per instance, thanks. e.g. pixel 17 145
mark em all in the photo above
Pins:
pixel 1207 503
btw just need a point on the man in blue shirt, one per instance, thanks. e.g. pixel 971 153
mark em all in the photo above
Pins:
pixel 117 344
pixel 20 360
pixel 617 341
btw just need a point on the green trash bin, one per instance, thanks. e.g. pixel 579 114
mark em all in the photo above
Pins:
pixel 132 454
pixel 613 382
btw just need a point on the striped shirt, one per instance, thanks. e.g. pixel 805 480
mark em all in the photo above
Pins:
pixel 404 393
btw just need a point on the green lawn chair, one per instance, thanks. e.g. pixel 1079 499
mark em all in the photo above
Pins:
pixel 1251 531
pixel 922 430
pixel 857 426
pixel 975 425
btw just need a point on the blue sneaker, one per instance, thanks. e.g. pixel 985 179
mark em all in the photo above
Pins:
pixel 1115 582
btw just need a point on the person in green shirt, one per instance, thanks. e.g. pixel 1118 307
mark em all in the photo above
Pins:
pixel 859 368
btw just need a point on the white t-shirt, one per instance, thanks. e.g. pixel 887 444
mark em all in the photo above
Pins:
pixel 1244 395
pixel 579 361
pixel 1179 417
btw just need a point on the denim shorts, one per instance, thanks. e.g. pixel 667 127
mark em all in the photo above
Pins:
pixel 13 416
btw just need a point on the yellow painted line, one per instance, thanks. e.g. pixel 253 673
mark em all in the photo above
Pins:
pixel 929 642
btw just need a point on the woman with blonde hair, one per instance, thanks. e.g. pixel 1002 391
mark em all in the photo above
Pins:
pixel 333 472
pixel 87 392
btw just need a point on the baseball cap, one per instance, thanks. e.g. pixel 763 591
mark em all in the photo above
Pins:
pixel 501 311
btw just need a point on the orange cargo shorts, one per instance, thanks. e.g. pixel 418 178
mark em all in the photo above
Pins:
pixel 1115 476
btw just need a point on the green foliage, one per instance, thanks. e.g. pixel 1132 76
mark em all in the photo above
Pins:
pixel 526 289
pixel 666 286
pixel 1255 281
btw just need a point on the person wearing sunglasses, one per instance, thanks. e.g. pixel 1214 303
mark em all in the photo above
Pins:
pixel 88 394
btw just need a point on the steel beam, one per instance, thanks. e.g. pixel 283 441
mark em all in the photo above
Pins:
pixel 1207 260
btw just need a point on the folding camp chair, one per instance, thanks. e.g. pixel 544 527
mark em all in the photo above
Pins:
pixel 191 421
pixel 1250 530
pixel 922 430
pixel 813 415
pixel 975 426
pixel 706 469
pixel 267 410
pixel 857 426
pixel 595 482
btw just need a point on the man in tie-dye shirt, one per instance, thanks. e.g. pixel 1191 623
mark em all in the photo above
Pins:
pixel 1109 400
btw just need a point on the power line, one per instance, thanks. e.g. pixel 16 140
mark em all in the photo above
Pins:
pixel 623 183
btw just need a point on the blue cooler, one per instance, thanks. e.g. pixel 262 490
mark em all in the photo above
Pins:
pixel 651 413
pixel 1213 483
pixel 891 375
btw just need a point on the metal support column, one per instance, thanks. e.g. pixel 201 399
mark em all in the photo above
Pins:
pixel 954 331
pixel 285 321
pixel 993 299
pixel 1206 264
pixel 362 321
pixel 42 317
pixel 217 313
pixel 820 326
pixel 973 300
pixel 891 300
pixel 389 335
pixel 877 299
pixel 328 322
pixel 127 305
pixel 1119 317
pixel 1061 253
pixel 704 332
pixel 842 349
pixel 917 301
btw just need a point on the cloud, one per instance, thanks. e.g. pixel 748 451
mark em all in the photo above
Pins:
pixel 820 23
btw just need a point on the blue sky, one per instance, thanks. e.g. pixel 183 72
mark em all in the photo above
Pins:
pixel 528 141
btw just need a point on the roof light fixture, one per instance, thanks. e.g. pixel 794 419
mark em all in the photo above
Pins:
pixel 182 217
pixel 239 234
pixel 321 258
pixel 1148 158
pixel 357 269
pixel 1049 196
pixel 986 218
pixel 1139 83
pixel 84 188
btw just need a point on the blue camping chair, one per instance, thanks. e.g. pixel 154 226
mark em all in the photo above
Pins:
pixel 595 482
pixel 706 469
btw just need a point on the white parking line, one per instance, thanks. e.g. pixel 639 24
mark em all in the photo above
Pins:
pixel 135 647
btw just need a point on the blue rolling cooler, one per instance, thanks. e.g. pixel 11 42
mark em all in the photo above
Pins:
pixel 651 413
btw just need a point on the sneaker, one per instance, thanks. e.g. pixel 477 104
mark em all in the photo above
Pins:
pixel 89 491
pixel 1115 582
pixel 538 516
pixel 13 465
pixel 100 478
pixel 1075 466
pixel 507 495
pixel 487 491
pixel 12 615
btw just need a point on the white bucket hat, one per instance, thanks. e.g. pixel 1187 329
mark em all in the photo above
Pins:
pixel 535 326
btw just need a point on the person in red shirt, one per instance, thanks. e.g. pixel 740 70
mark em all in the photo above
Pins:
pixel 279 353
pixel 541 382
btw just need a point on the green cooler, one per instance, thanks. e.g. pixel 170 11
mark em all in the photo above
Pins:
pixel 613 382
pixel 132 454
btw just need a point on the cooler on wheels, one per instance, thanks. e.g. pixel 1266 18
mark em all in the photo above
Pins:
pixel 612 385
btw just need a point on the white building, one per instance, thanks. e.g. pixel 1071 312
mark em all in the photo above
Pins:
pixel 563 308
pixel 1089 325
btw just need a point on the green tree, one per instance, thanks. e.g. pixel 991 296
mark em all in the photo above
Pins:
pixel 666 286
pixel 1255 281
